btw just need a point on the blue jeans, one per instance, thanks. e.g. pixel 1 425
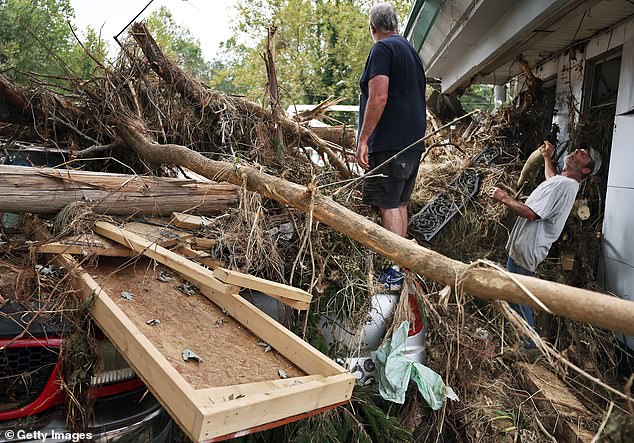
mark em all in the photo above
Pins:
pixel 525 311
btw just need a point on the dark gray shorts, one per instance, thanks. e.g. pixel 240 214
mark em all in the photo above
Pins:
pixel 395 189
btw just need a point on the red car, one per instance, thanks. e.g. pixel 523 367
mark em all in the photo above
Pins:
pixel 33 404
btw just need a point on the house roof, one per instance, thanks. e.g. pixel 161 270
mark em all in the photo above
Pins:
pixel 464 42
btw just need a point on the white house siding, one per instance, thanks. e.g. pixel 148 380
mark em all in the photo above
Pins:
pixel 618 225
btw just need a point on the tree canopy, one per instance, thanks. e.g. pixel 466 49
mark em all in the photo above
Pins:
pixel 36 38
pixel 321 47
pixel 35 35
pixel 178 42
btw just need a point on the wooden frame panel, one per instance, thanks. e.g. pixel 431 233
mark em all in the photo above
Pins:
pixel 266 407
pixel 209 413
pixel 165 382
pixel 194 271
pixel 286 294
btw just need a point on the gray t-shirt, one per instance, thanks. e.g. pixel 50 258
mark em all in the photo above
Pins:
pixel 530 241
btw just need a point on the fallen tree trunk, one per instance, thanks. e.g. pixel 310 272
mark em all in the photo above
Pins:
pixel 47 190
pixel 486 283
pixel 340 135
pixel 200 97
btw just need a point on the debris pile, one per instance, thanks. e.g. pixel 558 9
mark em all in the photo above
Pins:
pixel 139 115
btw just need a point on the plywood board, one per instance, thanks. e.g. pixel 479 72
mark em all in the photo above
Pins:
pixel 230 353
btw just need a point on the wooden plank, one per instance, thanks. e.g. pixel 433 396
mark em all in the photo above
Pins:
pixel 203 243
pixel 86 244
pixel 198 257
pixel 161 235
pixel 247 412
pixel 563 412
pixel 189 221
pixel 309 359
pixel 230 393
pixel 286 294
pixel 48 190
pixel 274 424
pixel 193 271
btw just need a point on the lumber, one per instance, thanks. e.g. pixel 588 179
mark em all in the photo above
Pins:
pixel 189 221
pixel 293 297
pixel 484 282
pixel 48 190
pixel 161 235
pixel 563 411
pixel 86 244
pixel 247 412
pixel 287 294
pixel 198 256
pixel 203 243
pixel 224 393
pixel 94 244
pixel 192 270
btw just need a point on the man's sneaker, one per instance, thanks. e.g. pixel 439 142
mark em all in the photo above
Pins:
pixel 392 278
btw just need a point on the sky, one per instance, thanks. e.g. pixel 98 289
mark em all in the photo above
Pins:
pixel 208 20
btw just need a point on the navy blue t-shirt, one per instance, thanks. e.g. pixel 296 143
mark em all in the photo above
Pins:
pixel 403 119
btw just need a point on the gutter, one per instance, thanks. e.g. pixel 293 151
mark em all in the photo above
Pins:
pixel 421 20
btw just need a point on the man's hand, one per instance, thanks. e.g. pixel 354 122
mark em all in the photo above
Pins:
pixel 516 207
pixel 499 195
pixel 547 150
pixel 362 155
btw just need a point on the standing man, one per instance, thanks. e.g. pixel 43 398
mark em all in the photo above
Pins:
pixel 542 218
pixel 391 117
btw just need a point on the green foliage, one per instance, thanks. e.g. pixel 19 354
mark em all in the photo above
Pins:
pixel 360 421
pixel 320 49
pixel 477 97
pixel 33 32
pixel 80 62
pixel 178 43
pixel 36 37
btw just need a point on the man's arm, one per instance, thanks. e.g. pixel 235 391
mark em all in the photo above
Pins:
pixel 516 207
pixel 377 98
pixel 547 150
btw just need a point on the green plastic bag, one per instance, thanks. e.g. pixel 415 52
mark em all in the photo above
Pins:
pixel 395 370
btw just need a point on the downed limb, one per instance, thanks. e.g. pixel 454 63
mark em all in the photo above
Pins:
pixel 489 284
pixel 48 190
pixel 340 135
pixel 202 98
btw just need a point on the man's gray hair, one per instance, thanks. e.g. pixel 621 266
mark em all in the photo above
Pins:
pixel 383 18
